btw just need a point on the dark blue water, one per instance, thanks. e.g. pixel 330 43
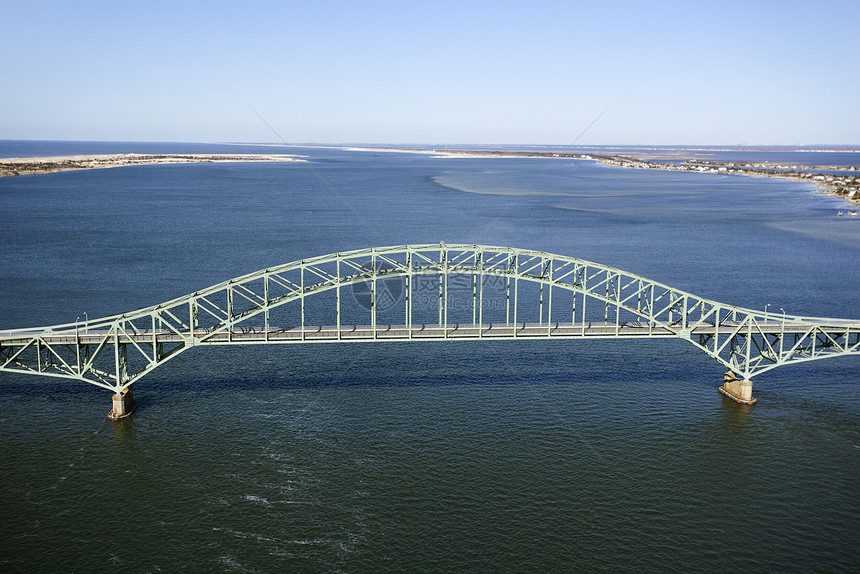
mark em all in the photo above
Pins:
pixel 37 148
pixel 519 456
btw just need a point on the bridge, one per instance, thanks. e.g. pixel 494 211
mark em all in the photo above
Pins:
pixel 423 293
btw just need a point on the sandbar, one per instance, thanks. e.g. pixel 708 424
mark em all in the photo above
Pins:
pixel 36 165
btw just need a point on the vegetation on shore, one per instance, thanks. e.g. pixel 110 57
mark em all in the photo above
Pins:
pixel 36 165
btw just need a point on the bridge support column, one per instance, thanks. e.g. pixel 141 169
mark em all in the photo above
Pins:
pixel 123 404
pixel 737 390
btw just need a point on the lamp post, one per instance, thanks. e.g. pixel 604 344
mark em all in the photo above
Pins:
pixel 78 344
pixel 765 312
pixel 781 331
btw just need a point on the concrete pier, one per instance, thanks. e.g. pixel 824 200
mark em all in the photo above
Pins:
pixel 123 404
pixel 737 390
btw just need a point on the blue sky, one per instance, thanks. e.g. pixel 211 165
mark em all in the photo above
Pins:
pixel 534 72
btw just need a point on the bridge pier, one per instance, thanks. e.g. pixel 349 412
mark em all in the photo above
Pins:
pixel 737 390
pixel 123 404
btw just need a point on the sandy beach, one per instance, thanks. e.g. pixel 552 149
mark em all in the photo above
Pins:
pixel 455 153
pixel 35 165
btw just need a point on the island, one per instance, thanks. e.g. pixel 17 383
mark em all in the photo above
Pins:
pixel 37 165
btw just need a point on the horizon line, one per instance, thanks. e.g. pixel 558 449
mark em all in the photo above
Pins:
pixel 855 147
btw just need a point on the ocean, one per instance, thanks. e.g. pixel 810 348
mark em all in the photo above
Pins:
pixel 426 456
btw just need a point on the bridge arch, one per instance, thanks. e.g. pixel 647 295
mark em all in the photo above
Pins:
pixel 444 291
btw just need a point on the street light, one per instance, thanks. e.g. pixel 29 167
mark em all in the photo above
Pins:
pixel 78 344
pixel 765 311
pixel 781 331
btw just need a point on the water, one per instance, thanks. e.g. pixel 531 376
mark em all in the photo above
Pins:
pixel 519 456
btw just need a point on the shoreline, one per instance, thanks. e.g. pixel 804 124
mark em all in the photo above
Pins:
pixel 846 187
pixel 40 165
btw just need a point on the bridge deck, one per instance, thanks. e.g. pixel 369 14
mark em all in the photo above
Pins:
pixel 399 332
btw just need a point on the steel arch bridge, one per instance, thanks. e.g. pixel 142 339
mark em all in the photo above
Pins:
pixel 418 293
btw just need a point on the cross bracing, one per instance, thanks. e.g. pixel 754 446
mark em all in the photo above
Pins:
pixel 416 293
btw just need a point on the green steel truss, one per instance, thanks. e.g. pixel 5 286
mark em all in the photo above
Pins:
pixel 422 292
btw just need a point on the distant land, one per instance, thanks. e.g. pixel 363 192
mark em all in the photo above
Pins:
pixel 839 180
pixel 36 165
